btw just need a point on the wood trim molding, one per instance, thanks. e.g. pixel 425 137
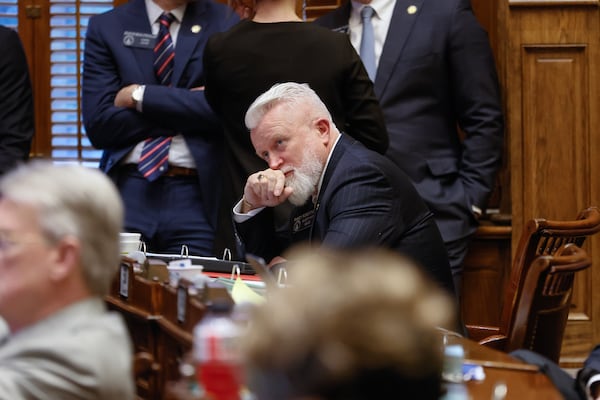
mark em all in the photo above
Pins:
pixel 552 3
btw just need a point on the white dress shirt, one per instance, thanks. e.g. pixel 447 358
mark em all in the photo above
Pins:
pixel 381 23
pixel 179 154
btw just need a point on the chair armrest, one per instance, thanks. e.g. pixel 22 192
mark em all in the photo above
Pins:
pixel 480 332
pixel 488 336
pixel 497 342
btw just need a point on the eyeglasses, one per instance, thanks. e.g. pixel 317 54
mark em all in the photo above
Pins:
pixel 10 240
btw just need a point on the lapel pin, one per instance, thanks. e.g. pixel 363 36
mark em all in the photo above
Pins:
pixel 196 28
pixel 411 9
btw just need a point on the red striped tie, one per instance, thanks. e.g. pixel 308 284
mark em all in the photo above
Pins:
pixel 155 153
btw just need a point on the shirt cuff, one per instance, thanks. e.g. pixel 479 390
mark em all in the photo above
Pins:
pixel 138 104
pixel 476 210
pixel 591 381
pixel 240 217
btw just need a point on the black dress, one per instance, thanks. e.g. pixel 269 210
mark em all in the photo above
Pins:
pixel 247 60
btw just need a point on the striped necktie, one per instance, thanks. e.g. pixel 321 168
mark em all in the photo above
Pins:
pixel 155 153
pixel 367 42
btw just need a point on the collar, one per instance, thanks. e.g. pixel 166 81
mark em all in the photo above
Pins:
pixel 316 195
pixel 154 11
pixel 380 6
pixel 64 317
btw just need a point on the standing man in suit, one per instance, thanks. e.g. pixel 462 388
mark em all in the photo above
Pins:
pixel 16 103
pixel 144 105
pixel 59 254
pixel 346 196
pixel 434 75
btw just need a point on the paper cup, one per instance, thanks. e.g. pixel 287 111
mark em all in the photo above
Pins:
pixel 178 269
pixel 130 236
pixel 129 246
pixel 129 242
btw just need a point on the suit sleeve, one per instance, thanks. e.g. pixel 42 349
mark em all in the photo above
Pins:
pixel 258 236
pixel 364 118
pixel 478 103
pixel 360 210
pixel 186 110
pixel 16 105
pixel 45 373
pixel 166 110
pixel 591 369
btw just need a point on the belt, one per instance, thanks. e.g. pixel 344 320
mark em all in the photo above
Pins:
pixel 180 171
pixel 171 171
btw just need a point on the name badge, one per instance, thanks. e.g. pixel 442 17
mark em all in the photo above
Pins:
pixel 139 39
pixel 303 221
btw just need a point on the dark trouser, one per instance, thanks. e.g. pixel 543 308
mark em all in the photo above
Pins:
pixel 167 212
pixel 457 250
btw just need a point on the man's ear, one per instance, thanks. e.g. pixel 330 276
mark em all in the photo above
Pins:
pixel 66 258
pixel 324 127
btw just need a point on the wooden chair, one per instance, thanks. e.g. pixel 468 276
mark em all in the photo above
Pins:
pixel 544 237
pixel 537 313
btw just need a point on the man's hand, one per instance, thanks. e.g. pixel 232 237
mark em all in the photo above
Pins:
pixel 123 98
pixel 265 189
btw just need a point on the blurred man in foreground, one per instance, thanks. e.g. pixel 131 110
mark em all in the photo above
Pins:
pixel 356 325
pixel 59 252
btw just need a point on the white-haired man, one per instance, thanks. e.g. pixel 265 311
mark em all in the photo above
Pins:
pixel 360 198
pixel 59 252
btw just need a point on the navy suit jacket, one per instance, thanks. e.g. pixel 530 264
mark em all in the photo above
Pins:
pixel 16 104
pixel 364 201
pixel 110 64
pixel 437 71
pixel 591 367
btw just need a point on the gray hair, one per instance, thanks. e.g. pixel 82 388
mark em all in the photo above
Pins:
pixel 291 94
pixel 72 200
pixel 346 313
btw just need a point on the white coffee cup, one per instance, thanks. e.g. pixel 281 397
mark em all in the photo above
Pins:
pixel 183 269
pixel 127 236
pixel 129 242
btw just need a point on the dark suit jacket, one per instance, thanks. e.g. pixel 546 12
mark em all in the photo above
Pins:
pixel 365 200
pixel 110 64
pixel 248 59
pixel 437 71
pixel 591 367
pixel 16 102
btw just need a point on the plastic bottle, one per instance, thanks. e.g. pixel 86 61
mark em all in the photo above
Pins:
pixel 218 364
pixel 454 356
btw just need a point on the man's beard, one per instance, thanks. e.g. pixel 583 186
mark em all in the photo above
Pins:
pixel 305 178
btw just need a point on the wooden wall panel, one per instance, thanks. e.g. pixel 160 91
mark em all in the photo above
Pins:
pixel 554 130
pixel 553 89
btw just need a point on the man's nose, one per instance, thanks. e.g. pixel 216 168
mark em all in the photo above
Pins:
pixel 275 162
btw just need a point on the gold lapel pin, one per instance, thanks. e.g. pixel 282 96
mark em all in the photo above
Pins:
pixel 196 28
pixel 411 9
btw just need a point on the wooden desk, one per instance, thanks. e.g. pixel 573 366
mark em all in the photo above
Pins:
pixel 523 381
